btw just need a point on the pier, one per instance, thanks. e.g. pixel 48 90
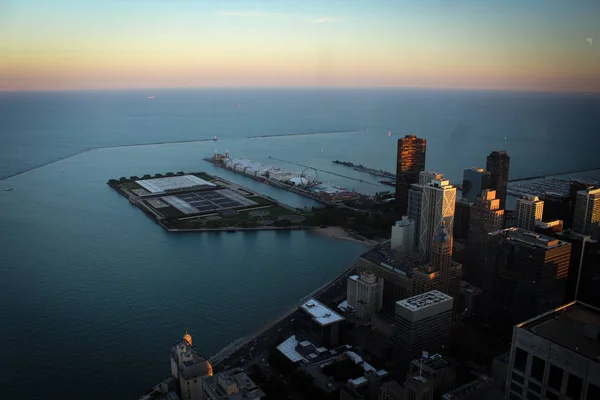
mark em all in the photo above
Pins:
pixel 362 168
pixel 322 170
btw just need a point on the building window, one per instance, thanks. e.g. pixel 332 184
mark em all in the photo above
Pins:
pixel 520 359
pixel 593 392
pixel 513 396
pixel 518 378
pixel 537 368
pixel 555 377
pixel 574 384
pixel 551 395
pixel 516 388
pixel 535 387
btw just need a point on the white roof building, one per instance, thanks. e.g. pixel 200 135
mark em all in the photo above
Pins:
pixel 321 314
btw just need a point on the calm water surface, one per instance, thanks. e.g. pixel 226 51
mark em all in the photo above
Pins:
pixel 93 293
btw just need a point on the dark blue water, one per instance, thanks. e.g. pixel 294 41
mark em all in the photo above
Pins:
pixel 93 293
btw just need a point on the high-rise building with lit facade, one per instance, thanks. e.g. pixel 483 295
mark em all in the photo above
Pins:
pixel 586 219
pixel 189 368
pixel 437 209
pixel 415 199
pixel 474 181
pixel 497 167
pixel 529 210
pixel 556 355
pixel 410 161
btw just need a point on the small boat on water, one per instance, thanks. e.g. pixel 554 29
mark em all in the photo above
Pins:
pixel 215 138
pixel 151 97
pixel 8 189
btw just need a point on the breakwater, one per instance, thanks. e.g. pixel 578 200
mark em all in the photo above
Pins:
pixel 301 134
pixel 102 147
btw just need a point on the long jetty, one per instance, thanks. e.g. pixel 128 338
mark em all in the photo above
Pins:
pixel 325 171
pixel 102 147
pixel 301 134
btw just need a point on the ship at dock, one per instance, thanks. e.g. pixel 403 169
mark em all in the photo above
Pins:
pixel 305 183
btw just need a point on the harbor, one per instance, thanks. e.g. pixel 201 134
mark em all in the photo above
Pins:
pixel 304 183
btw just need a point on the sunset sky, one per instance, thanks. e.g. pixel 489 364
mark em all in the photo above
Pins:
pixel 496 44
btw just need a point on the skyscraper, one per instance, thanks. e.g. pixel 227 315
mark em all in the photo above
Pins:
pixel 586 219
pixel 421 322
pixel 365 294
pixel 486 217
pixel 448 273
pixel 528 273
pixel 497 166
pixel 415 199
pixel 529 210
pixel 556 355
pixel 462 219
pixel 410 161
pixel 558 206
pixel 437 208
pixel 474 181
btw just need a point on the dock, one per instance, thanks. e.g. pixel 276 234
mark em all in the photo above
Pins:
pixel 329 198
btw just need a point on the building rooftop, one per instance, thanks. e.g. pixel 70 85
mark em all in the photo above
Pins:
pixel 529 238
pixel 160 185
pixel 575 326
pixel 320 313
pixel 571 235
pixel 425 300
pixel 233 385
pixel 190 364
pixel 386 257
pixel 547 224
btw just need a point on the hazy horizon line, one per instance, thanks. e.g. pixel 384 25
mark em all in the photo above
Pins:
pixel 319 87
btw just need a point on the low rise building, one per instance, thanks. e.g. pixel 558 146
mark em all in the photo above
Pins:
pixel 234 384
pixel 429 378
pixel 323 321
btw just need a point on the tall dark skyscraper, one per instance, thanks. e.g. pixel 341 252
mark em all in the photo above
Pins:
pixel 410 161
pixel 497 167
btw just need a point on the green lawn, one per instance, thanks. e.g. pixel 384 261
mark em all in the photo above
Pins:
pixel 243 219
pixel 204 176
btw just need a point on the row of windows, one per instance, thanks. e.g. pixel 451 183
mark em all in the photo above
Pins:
pixel 574 384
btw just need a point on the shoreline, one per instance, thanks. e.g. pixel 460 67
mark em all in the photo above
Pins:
pixel 337 232
pixel 230 349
